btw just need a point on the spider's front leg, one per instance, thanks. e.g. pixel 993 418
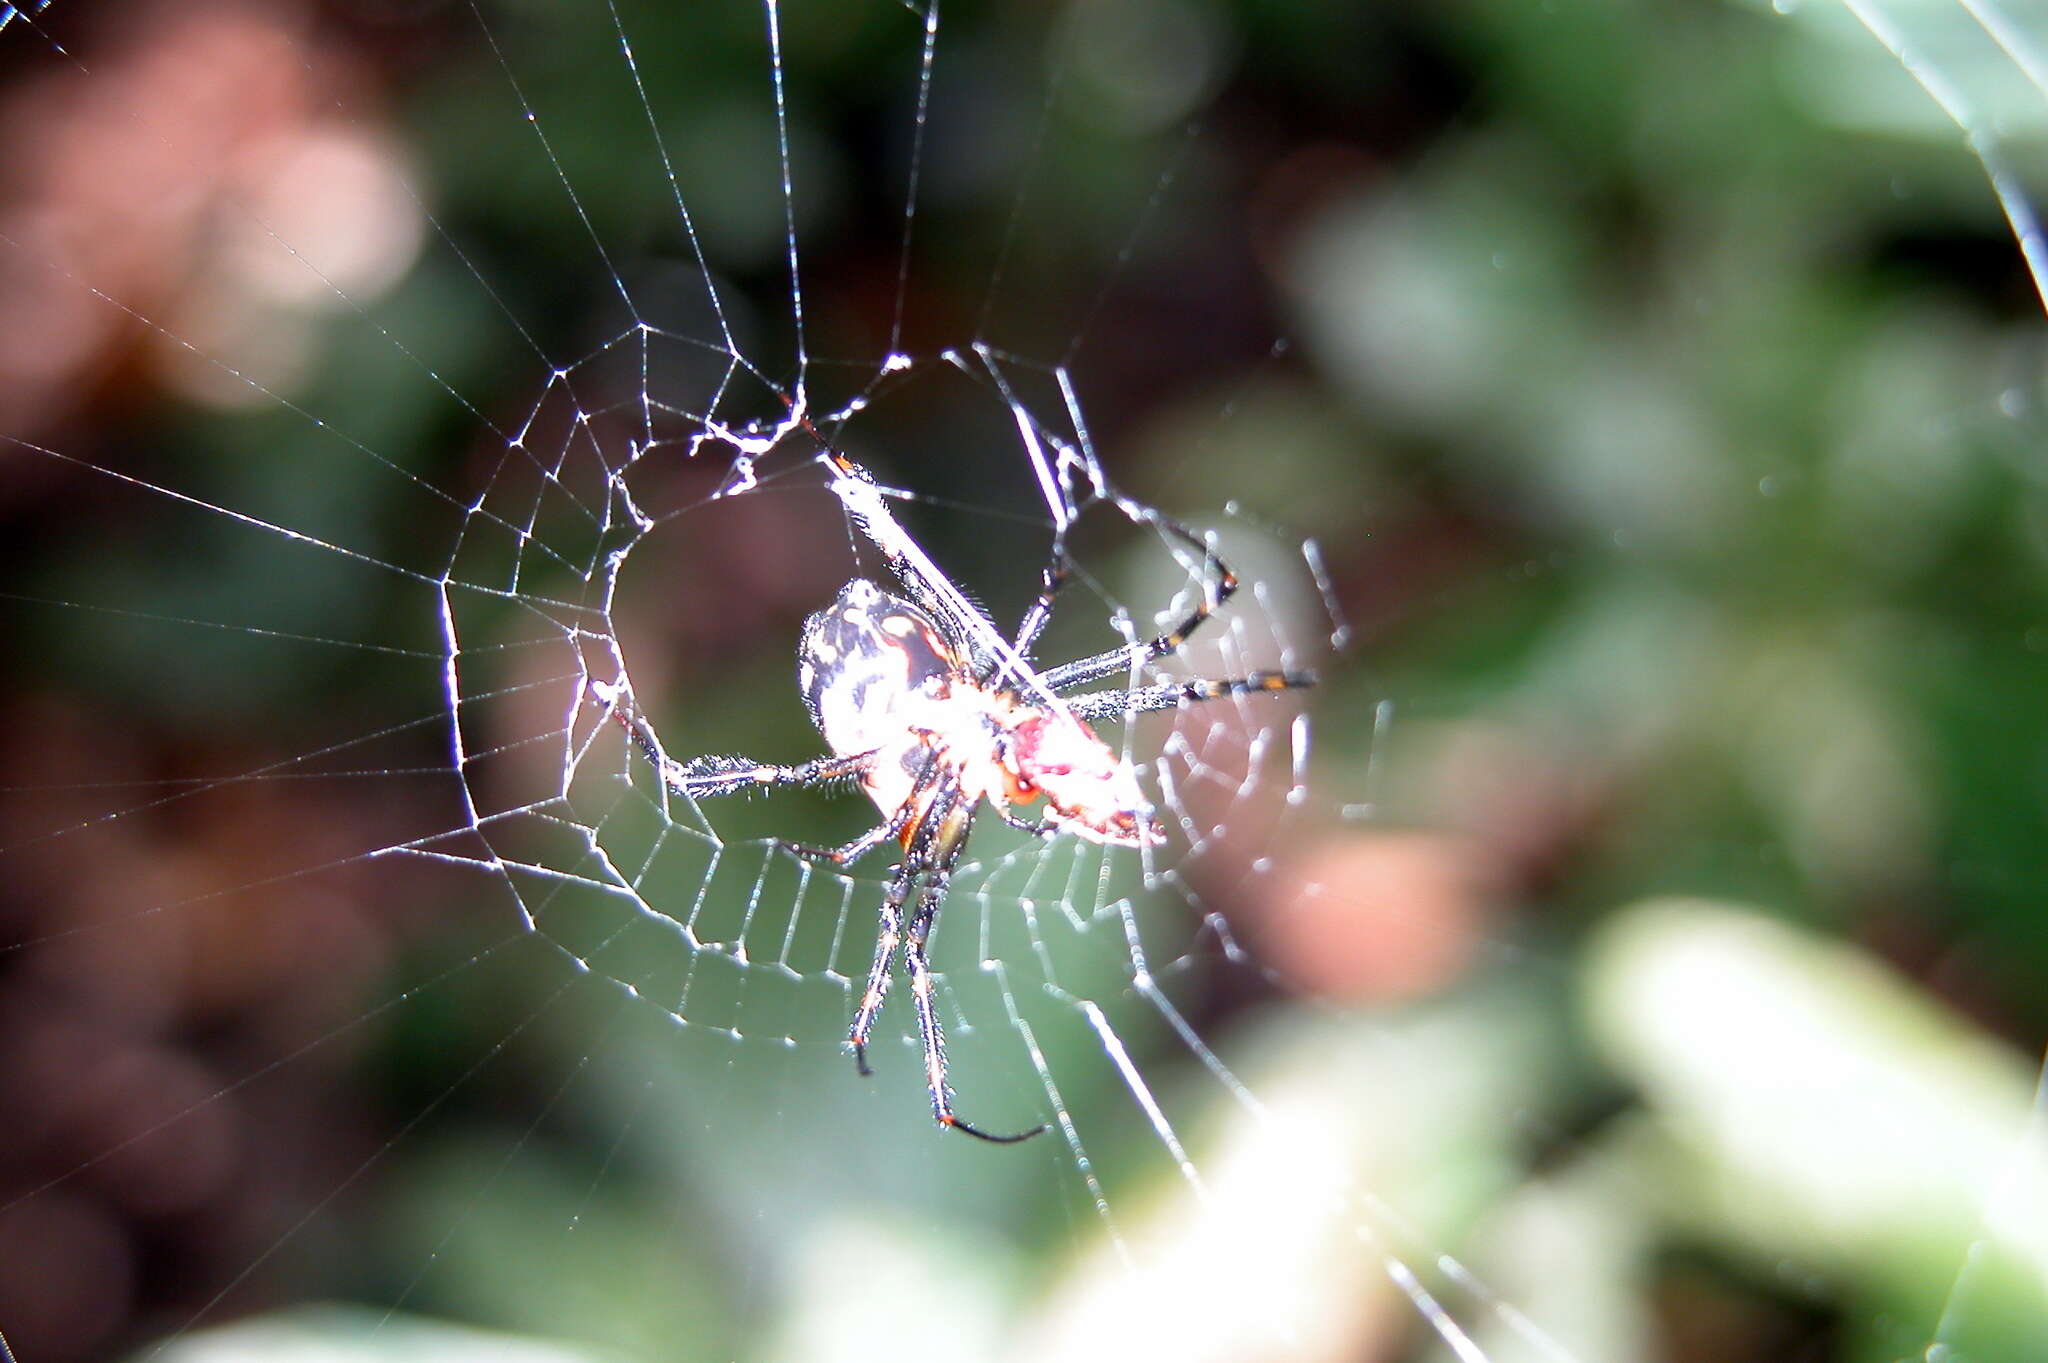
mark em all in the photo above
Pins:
pixel 853 851
pixel 933 853
pixel 1051 580
pixel 886 940
pixel 845 854
pixel 917 965
pixel 1189 691
pixel 906 875
pixel 1219 584
pixel 1038 828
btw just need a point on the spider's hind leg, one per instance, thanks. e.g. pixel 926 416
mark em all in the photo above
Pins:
pixel 720 774
pixel 725 774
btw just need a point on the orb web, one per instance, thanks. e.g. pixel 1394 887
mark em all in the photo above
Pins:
pixel 641 509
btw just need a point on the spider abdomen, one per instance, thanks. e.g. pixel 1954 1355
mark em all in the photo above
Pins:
pixel 864 661
pixel 875 673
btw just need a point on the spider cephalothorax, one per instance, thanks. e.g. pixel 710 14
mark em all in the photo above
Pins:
pixel 934 713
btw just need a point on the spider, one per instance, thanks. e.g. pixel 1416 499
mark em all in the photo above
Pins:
pixel 932 712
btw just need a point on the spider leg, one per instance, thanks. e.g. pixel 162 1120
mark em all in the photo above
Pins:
pixel 866 506
pixel 1039 616
pixel 701 777
pixel 933 846
pixel 878 973
pixel 1172 695
pixel 722 775
pixel 1038 827
pixel 850 852
pixel 902 879
pixel 892 827
pixel 1219 584
pixel 917 965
